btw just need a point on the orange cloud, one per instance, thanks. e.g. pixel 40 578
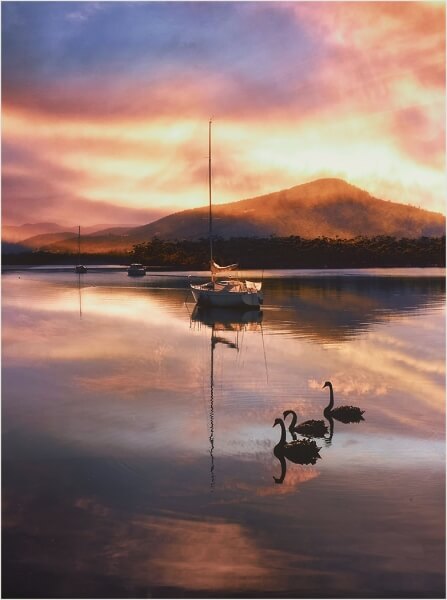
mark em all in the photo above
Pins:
pixel 371 110
pixel 213 555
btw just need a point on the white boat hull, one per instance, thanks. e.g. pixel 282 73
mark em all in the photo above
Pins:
pixel 227 297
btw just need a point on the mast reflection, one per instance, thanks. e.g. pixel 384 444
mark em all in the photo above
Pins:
pixel 80 295
pixel 222 319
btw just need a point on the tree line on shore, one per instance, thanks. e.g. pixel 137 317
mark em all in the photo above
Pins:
pixel 274 252
pixel 295 252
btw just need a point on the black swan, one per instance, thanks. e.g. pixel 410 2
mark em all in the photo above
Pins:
pixel 345 414
pixel 303 452
pixel 312 428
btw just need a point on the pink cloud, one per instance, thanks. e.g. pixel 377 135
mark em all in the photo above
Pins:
pixel 38 198
pixel 377 92
pixel 421 134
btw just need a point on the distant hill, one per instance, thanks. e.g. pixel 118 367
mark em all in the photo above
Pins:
pixel 18 233
pixel 44 239
pixel 325 207
pixel 322 208
pixel 29 232
pixel 112 230
pixel 106 229
pixel 91 244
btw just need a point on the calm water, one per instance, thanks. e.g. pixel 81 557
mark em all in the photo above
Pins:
pixel 138 441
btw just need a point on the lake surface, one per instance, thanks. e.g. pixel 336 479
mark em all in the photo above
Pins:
pixel 138 442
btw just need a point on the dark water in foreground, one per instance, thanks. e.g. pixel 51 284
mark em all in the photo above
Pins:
pixel 131 468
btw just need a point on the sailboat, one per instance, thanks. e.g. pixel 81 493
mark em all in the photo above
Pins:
pixel 224 293
pixel 80 268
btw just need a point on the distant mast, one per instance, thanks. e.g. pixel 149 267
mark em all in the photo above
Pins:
pixel 80 268
pixel 209 193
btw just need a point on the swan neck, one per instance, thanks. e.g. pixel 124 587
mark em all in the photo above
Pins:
pixel 282 441
pixel 294 420
pixel 331 398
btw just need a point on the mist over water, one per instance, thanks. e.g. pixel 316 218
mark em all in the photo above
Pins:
pixel 138 441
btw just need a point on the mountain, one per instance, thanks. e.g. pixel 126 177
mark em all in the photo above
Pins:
pixel 91 244
pixel 106 228
pixel 44 239
pixel 29 232
pixel 325 207
pixel 18 233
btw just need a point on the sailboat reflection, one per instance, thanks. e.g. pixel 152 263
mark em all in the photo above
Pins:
pixel 302 452
pixel 227 319
pixel 80 295
pixel 222 319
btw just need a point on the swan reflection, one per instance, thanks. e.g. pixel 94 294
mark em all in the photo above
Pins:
pixel 344 414
pixel 302 452
pixel 306 451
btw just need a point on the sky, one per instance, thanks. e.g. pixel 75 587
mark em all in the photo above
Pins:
pixel 106 104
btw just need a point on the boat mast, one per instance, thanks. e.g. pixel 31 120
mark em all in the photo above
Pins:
pixel 79 245
pixel 209 192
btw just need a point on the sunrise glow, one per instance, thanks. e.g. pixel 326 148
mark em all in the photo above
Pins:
pixel 105 105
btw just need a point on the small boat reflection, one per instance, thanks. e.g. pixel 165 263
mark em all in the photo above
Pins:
pixel 302 452
pixel 222 319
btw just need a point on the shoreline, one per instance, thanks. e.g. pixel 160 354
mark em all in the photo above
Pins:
pixel 270 273
pixel 254 253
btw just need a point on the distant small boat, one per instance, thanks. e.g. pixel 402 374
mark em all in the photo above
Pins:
pixel 80 268
pixel 136 270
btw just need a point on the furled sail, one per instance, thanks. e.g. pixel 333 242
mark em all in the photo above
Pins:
pixel 251 285
pixel 215 268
